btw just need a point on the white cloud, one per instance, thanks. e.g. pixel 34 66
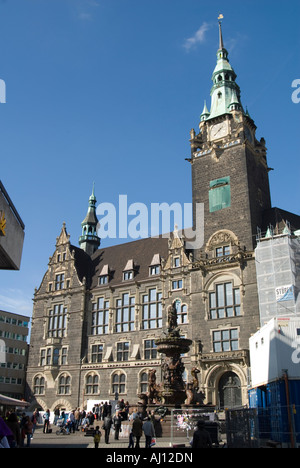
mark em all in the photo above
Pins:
pixel 198 37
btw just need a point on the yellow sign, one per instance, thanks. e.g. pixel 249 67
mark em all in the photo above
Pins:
pixel 2 223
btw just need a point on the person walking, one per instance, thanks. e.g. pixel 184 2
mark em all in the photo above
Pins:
pixel 137 430
pixel 27 430
pixel 107 423
pixel 149 432
pixel 201 437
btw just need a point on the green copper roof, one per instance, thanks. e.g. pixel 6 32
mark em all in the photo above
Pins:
pixel 225 92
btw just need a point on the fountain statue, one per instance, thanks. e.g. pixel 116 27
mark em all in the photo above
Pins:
pixel 173 389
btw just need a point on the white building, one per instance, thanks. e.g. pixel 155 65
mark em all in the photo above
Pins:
pixel 274 350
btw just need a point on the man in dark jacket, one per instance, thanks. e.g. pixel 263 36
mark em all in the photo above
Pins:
pixel 201 438
pixel 137 430
pixel 107 423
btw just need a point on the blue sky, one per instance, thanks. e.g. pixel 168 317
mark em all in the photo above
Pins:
pixel 107 91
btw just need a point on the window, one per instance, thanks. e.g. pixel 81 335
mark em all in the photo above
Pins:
pixel 39 386
pixel 225 340
pixel 49 356
pixel 64 385
pixel 127 275
pixel 177 284
pixel 97 353
pixel 125 313
pixel 122 351
pixel 59 282
pixel 55 357
pixel 219 194
pixel 181 310
pixel 224 301
pixel 103 279
pixel 144 382
pixel 223 251
pixel 150 351
pixel 43 357
pixel 64 355
pixel 92 384
pixel 152 310
pixel 176 262
pixel 100 317
pixel 118 383
pixel 154 270
pixel 57 322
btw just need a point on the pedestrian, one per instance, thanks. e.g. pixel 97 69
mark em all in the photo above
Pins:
pixel 46 418
pixel 71 421
pixel 77 418
pixel 107 423
pixel 34 420
pixel 13 424
pixel 27 431
pixel 201 437
pixel 56 416
pixel 97 436
pixel 137 430
pixel 117 421
pixel 149 432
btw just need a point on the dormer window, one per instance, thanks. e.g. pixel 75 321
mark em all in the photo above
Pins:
pixel 154 268
pixel 127 275
pixel 176 262
pixel 103 279
pixel 128 272
pixel 104 276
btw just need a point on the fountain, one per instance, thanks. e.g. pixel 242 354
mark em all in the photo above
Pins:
pixel 173 389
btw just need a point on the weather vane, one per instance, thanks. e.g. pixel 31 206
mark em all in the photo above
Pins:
pixel 220 18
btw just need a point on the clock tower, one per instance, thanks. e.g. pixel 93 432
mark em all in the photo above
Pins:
pixel 229 164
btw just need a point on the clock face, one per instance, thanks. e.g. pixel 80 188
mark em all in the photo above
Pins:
pixel 218 131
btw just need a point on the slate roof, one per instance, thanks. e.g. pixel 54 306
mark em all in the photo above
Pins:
pixel 117 257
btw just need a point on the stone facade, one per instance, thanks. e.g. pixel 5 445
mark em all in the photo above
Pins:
pixel 98 310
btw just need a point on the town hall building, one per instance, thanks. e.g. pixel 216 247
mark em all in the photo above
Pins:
pixel 98 311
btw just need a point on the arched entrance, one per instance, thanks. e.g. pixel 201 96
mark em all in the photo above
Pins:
pixel 229 389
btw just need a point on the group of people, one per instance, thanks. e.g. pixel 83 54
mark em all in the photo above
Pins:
pixel 14 432
pixel 139 425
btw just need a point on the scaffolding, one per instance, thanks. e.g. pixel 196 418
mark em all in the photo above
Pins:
pixel 278 276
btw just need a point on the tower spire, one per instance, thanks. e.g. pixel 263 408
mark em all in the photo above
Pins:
pixel 225 93
pixel 221 43
pixel 89 240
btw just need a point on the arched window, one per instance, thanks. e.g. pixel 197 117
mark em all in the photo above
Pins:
pixel 92 384
pixel 39 385
pixel 64 385
pixel 119 383
pixel 181 310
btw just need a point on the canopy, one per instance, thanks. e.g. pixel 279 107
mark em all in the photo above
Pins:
pixel 4 400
